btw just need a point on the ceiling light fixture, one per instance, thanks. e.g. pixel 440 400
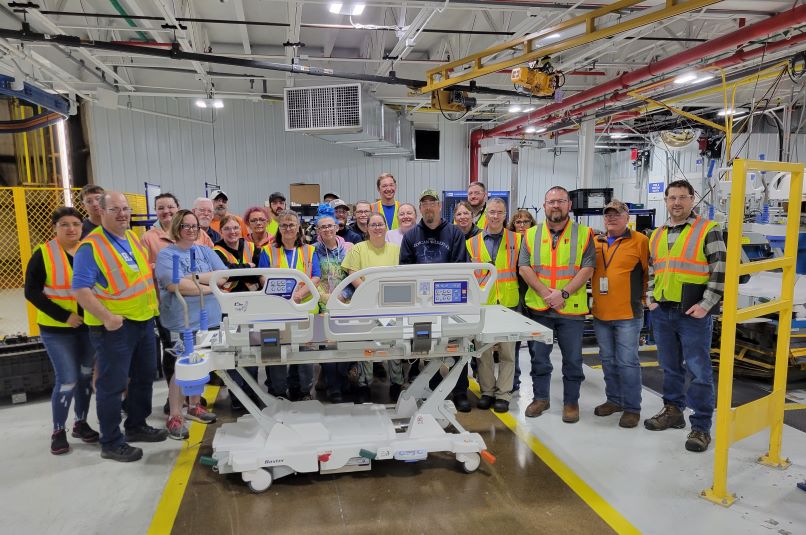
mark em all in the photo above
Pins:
pixel 540 130
pixel 618 135
pixel 514 108
pixel 685 78
pixel 530 130
pixel 349 8
pixel 528 109
pixel 731 111
pixel 209 103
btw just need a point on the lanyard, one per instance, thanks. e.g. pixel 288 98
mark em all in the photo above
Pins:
pixel 604 259
pixel 293 264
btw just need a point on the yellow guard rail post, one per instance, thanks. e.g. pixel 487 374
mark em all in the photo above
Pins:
pixel 734 424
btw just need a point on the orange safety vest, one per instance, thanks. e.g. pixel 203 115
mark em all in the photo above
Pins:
pixel 378 209
pixel 684 264
pixel 506 263
pixel 58 281
pixel 247 255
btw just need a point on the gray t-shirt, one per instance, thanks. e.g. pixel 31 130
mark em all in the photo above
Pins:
pixel 588 260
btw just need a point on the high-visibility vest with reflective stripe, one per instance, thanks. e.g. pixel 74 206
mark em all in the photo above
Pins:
pixel 304 254
pixel 482 222
pixel 684 264
pixel 246 256
pixel 272 227
pixel 505 291
pixel 58 280
pixel 556 266
pixel 128 293
pixel 378 209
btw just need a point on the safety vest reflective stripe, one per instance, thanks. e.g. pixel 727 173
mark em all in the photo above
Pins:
pixel 120 288
pixel 554 272
pixel 506 263
pixel 378 208
pixel 248 253
pixel 58 271
pixel 304 254
pixel 687 261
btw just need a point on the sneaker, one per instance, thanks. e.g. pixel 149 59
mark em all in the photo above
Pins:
pixel 82 430
pixel 58 442
pixel 200 414
pixel 146 433
pixel 698 441
pixel 176 428
pixel 537 407
pixel 629 419
pixel 123 453
pixel 670 416
pixel 607 408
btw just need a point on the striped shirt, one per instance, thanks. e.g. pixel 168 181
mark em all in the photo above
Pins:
pixel 715 253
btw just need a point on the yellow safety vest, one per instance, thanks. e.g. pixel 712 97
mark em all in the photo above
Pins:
pixel 505 291
pixel 556 266
pixel 482 222
pixel 684 264
pixel 58 280
pixel 272 227
pixel 378 209
pixel 277 259
pixel 128 293
pixel 246 256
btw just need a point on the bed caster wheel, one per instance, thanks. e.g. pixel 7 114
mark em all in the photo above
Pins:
pixel 470 462
pixel 257 480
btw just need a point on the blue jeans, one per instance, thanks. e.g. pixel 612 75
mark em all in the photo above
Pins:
pixel 618 349
pixel 684 348
pixel 127 358
pixel 72 358
pixel 569 336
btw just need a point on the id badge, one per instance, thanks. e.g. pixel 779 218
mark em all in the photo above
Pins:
pixel 603 285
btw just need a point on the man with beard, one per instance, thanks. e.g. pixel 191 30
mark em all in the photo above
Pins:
pixel 387 206
pixel 556 260
pixel 342 210
pixel 434 241
pixel 220 200
pixel 275 204
pixel 477 198
pixel 203 209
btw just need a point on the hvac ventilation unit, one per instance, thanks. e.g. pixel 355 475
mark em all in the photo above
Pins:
pixel 323 109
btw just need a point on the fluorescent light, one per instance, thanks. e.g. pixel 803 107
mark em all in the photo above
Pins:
pixel 218 103
pixel 63 162
pixel 540 130
pixel 346 9
pixel 514 108
pixel 732 111
pixel 618 135
pixel 686 78
pixel 703 78
pixel 201 103
pixel 528 109
pixel 553 36
pixel 530 130
pixel 209 103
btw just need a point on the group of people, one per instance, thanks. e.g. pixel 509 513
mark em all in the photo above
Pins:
pixel 101 293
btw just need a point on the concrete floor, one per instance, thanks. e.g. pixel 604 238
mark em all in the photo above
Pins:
pixel 550 477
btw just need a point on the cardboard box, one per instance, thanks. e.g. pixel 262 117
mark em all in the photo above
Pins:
pixel 305 193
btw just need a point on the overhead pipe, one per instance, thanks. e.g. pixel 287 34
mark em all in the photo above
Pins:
pixel 780 22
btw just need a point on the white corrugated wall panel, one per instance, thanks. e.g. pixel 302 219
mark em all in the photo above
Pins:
pixel 249 154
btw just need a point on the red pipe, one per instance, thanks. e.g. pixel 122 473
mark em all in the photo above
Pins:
pixel 784 20
pixel 475 148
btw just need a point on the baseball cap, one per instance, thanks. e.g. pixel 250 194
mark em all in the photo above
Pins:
pixel 216 193
pixel 616 205
pixel 276 196
pixel 429 193
pixel 338 203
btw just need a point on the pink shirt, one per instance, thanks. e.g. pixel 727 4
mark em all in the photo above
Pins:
pixel 156 239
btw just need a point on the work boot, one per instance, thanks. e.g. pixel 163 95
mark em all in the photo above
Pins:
pixel 58 442
pixel 670 416
pixel 607 408
pixel 698 441
pixel 485 402
pixel 570 413
pixel 82 430
pixel 629 419
pixel 146 433
pixel 123 453
pixel 501 405
pixel 461 402
pixel 536 408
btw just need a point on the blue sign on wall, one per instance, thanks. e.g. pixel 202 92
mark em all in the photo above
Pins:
pixel 656 187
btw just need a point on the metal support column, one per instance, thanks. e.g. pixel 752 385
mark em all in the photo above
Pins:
pixel 587 146
pixel 485 167
pixel 514 157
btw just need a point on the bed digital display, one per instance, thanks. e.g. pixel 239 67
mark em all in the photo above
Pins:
pixel 450 293
pixel 397 294
pixel 281 287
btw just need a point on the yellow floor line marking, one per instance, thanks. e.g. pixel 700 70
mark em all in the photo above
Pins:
pixel 794 406
pixel 168 506
pixel 606 511
pixel 648 364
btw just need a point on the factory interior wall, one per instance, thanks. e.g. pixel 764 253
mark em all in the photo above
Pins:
pixel 246 151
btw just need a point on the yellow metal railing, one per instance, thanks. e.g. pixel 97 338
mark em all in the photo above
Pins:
pixel 736 423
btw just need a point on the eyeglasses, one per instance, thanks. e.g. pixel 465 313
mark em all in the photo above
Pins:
pixel 363 212
pixel 673 198
pixel 261 220
pixel 377 225
pixel 522 222
pixel 288 226
pixel 185 226
pixel 118 210
pixel 557 202
pixel 327 227
pixel 202 211
pixel 495 213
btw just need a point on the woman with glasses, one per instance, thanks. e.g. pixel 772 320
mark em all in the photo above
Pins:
pixel 463 218
pixel 375 252
pixel 406 219
pixel 256 219
pixel 184 231
pixel 522 220
pixel 331 251
pixel 48 278
pixel 290 251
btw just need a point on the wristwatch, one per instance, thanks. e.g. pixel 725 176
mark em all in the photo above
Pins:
pixel 565 294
